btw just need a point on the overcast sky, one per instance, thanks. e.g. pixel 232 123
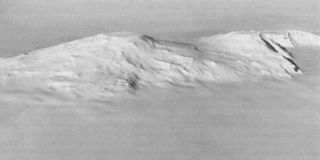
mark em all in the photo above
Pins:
pixel 29 24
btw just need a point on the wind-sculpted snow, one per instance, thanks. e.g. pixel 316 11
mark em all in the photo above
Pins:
pixel 108 65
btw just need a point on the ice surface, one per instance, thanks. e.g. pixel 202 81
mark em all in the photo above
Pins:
pixel 123 96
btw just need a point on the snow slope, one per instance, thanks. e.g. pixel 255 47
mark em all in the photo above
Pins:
pixel 109 65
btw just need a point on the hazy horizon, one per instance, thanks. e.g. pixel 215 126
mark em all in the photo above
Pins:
pixel 28 25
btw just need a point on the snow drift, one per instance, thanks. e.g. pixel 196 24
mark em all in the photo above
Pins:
pixel 107 65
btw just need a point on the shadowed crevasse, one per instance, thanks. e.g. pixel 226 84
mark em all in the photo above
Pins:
pixel 284 49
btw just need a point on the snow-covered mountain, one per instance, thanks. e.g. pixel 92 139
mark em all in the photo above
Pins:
pixel 107 65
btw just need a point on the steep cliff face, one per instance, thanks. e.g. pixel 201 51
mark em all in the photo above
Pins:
pixel 107 65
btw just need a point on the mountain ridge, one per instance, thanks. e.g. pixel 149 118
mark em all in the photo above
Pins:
pixel 107 65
